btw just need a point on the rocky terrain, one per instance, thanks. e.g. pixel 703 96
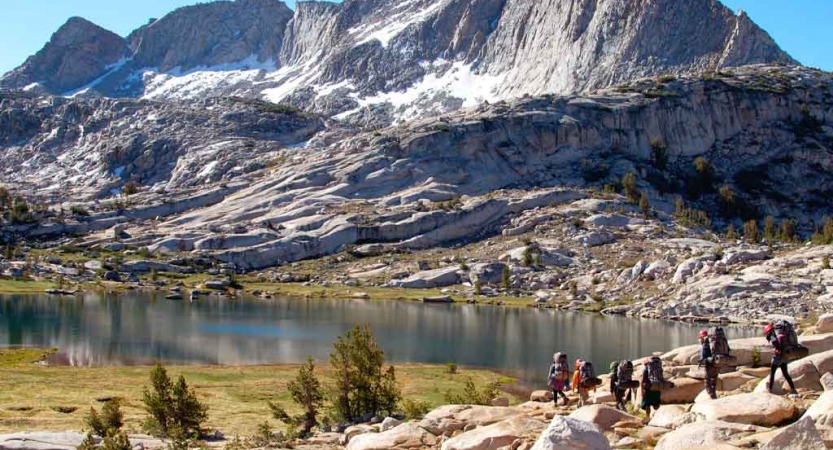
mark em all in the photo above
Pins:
pixel 381 60
pixel 253 186
pixel 743 416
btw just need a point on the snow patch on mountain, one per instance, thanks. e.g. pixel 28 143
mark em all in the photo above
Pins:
pixel 457 80
pixel 179 85
pixel 395 24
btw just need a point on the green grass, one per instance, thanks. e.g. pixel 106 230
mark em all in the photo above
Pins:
pixel 8 286
pixel 20 356
pixel 237 396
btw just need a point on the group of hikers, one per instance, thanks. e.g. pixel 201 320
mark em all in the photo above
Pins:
pixel 715 355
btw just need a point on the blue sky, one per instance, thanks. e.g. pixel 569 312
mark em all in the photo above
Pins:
pixel 802 27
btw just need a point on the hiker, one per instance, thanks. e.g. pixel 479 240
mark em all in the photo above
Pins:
pixel 584 379
pixel 779 337
pixel 652 382
pixel 707 360
pixel 622 382
pixel 559 376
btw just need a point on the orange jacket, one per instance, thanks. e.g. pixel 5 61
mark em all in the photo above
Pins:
pixel 576 380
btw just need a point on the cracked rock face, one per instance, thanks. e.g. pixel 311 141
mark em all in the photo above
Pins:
pixel 98 145
pixel 377 61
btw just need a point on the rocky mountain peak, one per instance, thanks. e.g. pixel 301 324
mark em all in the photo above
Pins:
pixel 380 61
pixel 212 34
pixel 78 52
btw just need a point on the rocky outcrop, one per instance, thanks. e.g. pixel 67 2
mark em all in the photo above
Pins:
pixel 408 436
pixel 603 416
pixel 762 409
pixel 565 433
pixel 447 276
pixel 494 436
pixel 798 436
pixel 167 145
pixel 705 434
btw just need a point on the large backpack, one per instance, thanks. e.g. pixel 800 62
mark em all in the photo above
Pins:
pixel 624 376
pixel 718 342
pixel 587 375
pixel 624 372
pixel 785 334
pixel 656 379
pixel 562 368
pixel 787 339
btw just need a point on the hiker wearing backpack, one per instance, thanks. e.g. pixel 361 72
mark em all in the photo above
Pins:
pixel 559 375
pixel 584 379
pixel 779 336
pixel 622 382
pixel 653 381
pixel 707 360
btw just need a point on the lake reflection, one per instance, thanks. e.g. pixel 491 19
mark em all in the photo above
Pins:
pixel 144 327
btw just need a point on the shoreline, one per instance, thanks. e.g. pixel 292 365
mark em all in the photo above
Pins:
pixel 267 291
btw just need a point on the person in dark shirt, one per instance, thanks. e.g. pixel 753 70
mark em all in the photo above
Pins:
pixel 707 361
pixel 777 361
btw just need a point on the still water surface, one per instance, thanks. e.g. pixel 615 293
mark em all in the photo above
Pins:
pixel 137 328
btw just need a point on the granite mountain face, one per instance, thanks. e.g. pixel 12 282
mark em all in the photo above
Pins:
pixel 379 61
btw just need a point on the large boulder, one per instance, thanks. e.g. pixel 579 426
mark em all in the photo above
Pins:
pixel 806 373
pixel 541 396
pixel 446 276
pixel 668 416
pixel 455 417
pixel 753 408
pixel 68 440
pixel 492 437
pixel 603 416
pixel 404 437
pixel 595 238
pixel 685 390
pixel 487 273
pixel 705 434
pixel 145 266
pixel 801 435
pixel 825 324
pixel 565 433
pixel 827 381
pixel 821 410
pixel 732 381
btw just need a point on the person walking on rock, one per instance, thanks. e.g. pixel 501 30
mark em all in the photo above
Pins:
pixel 622 382
pixel 653 382
pixel 559 375
pixel 580 381
pixel 778 361
pixel 707 361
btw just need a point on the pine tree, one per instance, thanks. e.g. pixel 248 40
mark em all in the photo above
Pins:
pixel 644 206
pixel 731 232
pixel 306 392
pixel 174 409
pixel 362 386
pixel 770 232
pixel 528 259
pixel 787 232
pixel 750 230
pixel 505 277
pixel 629 184
pixel 659 154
